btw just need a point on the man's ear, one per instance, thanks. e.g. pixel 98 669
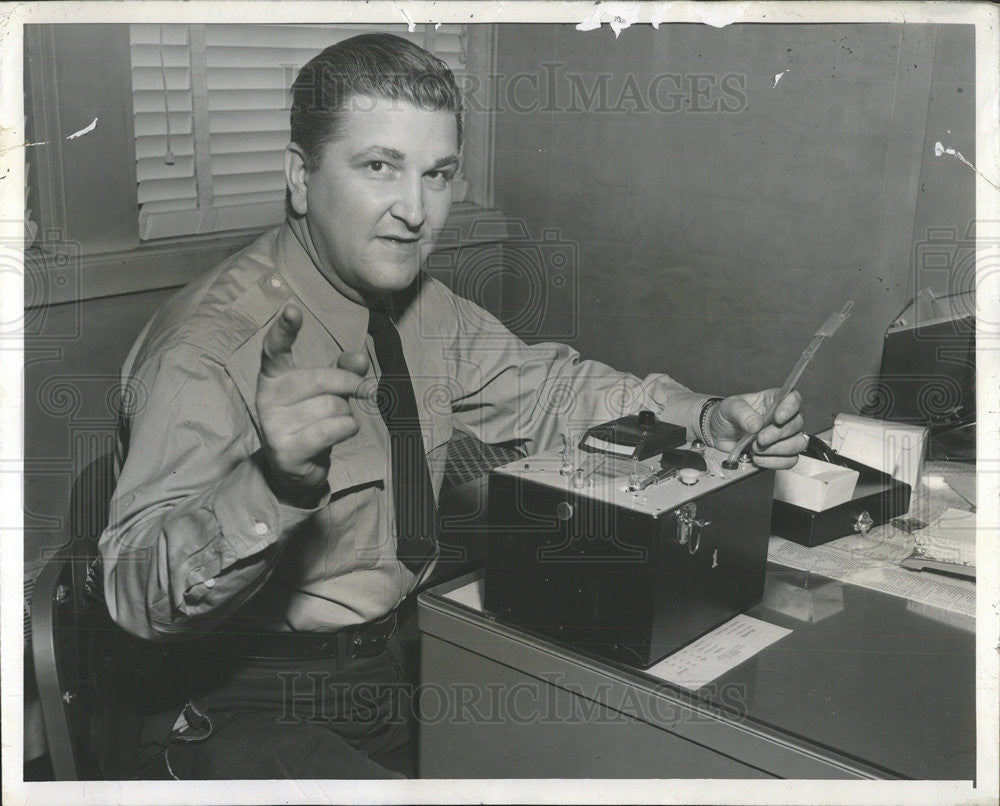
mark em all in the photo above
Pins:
pixel 296 177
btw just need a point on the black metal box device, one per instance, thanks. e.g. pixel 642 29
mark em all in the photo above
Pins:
pixel 630 576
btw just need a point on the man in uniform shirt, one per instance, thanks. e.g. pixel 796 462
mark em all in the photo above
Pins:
pixel 268 496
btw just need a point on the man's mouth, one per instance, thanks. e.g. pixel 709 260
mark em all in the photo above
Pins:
pixel 399 240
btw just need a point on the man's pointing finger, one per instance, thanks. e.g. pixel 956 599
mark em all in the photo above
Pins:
pixel 276 355
pixel 357 363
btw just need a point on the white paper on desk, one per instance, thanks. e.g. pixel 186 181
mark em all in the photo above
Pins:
pixel 951 538
pixel 955 524
pixel 712 655
pixel 893 448
pixel 470 595
pixel 963 484
pixel 954 595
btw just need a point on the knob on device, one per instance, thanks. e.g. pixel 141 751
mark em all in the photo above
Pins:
pixel 689 476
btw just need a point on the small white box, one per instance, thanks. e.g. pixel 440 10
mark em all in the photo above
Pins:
pixel 894 448
pixel 815 485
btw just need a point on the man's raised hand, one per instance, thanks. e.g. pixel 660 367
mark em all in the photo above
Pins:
pixel 777 445
pixel 303 412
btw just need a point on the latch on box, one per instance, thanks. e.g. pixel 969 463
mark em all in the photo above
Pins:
pixel 863 525
pixel 688 528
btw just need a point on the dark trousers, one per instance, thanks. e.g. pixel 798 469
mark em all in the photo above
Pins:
pixel 324 718
pixel 270 718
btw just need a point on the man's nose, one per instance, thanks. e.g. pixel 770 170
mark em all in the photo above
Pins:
pixel 409 205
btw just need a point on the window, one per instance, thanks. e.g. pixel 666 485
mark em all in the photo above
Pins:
pixel 210 108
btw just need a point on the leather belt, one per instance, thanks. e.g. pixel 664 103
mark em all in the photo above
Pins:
pixel 357 641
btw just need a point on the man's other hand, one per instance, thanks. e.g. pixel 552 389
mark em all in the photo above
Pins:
pixel 303 412
pixel 778 445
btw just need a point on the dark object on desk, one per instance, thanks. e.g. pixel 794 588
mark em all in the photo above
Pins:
pixel 909 525
pixel 917 562
pixel 622 437
pixel 626 578
pixel 956 445
pixel 928 372
pixel 878 498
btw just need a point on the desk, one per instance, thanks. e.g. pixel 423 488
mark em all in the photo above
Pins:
pixel 867 686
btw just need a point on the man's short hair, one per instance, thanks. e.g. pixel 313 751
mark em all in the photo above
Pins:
pixel 376 65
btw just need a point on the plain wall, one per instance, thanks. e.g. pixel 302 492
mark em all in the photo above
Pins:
pixel 716 233
pixel 71 367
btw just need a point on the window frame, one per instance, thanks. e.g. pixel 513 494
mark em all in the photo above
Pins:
pixel 89 226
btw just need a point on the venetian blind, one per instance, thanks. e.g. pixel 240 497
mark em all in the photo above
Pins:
pixel 210 106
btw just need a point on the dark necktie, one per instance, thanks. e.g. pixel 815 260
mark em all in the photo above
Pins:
pixel 412 491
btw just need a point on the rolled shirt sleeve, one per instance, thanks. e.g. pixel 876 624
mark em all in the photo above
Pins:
pixel 194 529
pixel 509 389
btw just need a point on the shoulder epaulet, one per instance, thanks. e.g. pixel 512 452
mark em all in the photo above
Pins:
pixel 262 300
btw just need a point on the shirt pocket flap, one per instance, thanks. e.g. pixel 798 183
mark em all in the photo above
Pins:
pixel 355 462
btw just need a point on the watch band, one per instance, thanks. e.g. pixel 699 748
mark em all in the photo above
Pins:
pixel 706 412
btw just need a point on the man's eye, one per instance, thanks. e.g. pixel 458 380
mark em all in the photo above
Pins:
pixel 439 177
pixel 376 166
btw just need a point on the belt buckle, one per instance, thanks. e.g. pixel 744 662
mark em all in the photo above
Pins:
pixel 366 646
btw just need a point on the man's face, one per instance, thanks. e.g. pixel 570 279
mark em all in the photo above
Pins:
pixel 380 191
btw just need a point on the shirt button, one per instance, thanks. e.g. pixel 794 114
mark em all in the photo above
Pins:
pixel 260 528
pixel 276 282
